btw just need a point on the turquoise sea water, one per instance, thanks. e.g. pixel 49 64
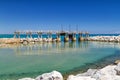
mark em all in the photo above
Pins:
pixel 44 35
pixel 34 59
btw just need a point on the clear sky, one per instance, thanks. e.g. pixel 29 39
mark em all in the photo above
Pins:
pixel 95 16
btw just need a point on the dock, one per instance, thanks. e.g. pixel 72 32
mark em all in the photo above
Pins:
pixel 67 36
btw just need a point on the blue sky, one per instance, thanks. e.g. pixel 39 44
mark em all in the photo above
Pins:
pixel 95 16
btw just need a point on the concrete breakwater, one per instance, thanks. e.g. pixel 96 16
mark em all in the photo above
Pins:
pixel 110 72
pixel 105 38
pixel 9 40
pixel 58 39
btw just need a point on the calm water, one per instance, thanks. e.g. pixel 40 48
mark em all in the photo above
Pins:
pixel 33 60
pixel 36 36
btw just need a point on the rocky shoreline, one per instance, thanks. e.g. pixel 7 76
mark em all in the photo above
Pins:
pixel 33 40
pixel 110 72
pixel 105 38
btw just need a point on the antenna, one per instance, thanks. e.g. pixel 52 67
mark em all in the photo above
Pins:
pixel 77 28
pixel 69 28
pixel 61 27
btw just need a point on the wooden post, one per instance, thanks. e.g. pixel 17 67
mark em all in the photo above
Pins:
pixel 15 34
pixel 74 36
pixel 18 34
pixel 27 35
pixel 39 34
pixel 81 36
pixel 66 39
pixel 30 33
pixel 58 37
pixel 87 35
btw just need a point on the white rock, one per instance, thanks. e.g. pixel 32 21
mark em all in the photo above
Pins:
pixel 108 70
pixel 71 77
pixel 90 72
pixel 117 68
pixel 108 77
pixel 107 73
pixel 26 79
pixel 54 75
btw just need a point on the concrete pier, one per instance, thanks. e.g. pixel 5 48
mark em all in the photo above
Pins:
pixel 39 33
pixel 68 36
pixel 86 36
pixel 58 37
pixel 72 36
pixel 80 36
pixel 16 34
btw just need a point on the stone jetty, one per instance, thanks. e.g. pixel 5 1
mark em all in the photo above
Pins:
pixel 105 38
pixel 9 40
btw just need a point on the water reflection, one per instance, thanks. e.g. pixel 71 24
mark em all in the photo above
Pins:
pixel 105 45
pixel 51 48
pixel 61 48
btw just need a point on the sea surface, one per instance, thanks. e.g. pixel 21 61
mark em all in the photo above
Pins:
pixel 44 35
pixel 34 59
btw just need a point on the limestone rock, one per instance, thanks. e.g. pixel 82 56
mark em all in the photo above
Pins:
pixel 54 75
pixel 109 70
pixel 109 77
pixel 90 72
pixel 117 68
pixel 71 77
pixel 117 61
pixel 106 73
pixel 26 79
